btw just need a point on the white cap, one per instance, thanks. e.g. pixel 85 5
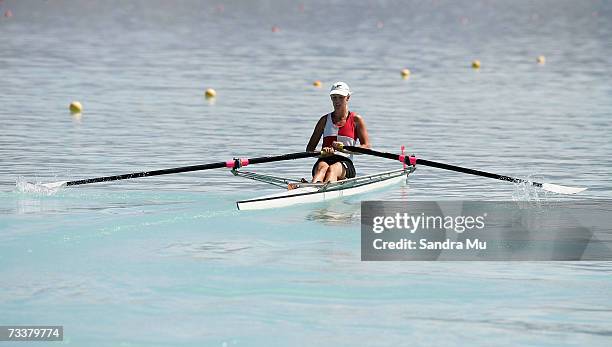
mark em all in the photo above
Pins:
pixel 340 88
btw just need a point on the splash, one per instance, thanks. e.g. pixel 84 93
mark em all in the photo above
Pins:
pixel 528 196
pixel 526 191
pixel 46 189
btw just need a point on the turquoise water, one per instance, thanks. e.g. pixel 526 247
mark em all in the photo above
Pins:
pixel 168 260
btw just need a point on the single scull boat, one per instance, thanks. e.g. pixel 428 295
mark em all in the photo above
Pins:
pixel 317 192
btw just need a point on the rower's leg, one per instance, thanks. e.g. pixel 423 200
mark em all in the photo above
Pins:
pixel 320 172
pixel 335 172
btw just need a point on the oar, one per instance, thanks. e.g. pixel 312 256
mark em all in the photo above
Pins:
pixel 234 163
pixel 555 188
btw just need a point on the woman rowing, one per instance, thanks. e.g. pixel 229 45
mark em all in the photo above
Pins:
pixel 338 128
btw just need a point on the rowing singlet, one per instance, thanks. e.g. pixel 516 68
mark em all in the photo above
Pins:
pixel 345 134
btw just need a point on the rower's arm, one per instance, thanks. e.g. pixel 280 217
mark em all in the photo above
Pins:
pixel 316 135
pixel 362 132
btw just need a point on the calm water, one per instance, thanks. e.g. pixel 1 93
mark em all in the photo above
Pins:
pixel 168 260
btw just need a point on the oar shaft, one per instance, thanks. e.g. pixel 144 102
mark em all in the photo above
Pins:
pixel 290 156
pixel 148 173
pixel 362 150
pixel 235 163
pixel 473 171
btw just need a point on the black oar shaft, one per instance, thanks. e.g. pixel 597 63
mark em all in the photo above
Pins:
pixel 438 165
pixel 218 165
pixel 148 173
pixel 290 156
pixel 473 172
pixel 372 152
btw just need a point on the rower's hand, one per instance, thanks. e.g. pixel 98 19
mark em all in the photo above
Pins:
pixel 327 151
pixel 337 145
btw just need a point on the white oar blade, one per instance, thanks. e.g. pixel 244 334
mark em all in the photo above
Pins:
pixel 39 188
pixel 555 188
pixel 54 185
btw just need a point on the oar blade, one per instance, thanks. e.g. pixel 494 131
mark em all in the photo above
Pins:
pixel 559 189
pixel 54 185
pixel 39 188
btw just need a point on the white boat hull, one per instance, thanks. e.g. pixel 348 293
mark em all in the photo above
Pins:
pixel 313 194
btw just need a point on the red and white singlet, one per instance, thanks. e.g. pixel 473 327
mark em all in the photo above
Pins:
pixel 345 134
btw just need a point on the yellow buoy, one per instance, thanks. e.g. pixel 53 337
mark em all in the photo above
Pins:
pixel 317 84
pixel 476 64
pixel 210 93
pixel 541 59
pixel 405 73
pixel 76 107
